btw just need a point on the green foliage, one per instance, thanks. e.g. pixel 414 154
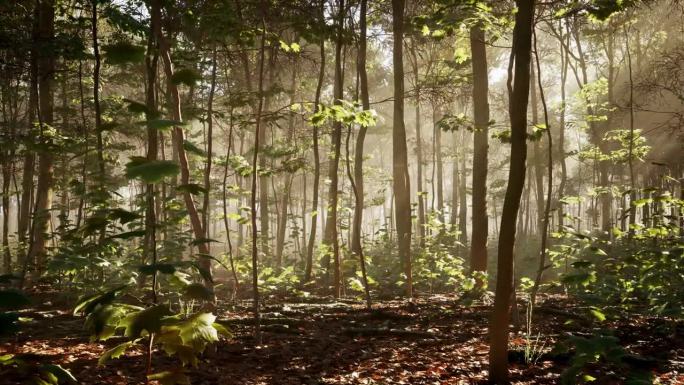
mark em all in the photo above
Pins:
pixel 123 53
pixel 603 348
pixel 37 373
pixel 150 171
pixel 186 76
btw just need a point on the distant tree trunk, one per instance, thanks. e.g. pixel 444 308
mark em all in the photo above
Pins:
pixel 480 232
pixel 454 182
pixel 317 162
pixel 6 161
pixel 253 201
pixel 151 62
pixel 463 197
pixel 419 148
pixel 356 245
pixel 178 141
pixel 264 209
pixel 561 132
pixel 29 156
pixel 518 100
pixel 537 154
pixel 400 174
pixel 287 183
pixel 546 214
pixel 46 74
pixel 439 163
pixel 96 103
pixel 331 234
pixel 206 209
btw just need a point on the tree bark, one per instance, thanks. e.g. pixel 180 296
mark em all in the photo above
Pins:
pixel 400 174
pixel 480 231
pixel 178 140
pixel 317 162
pixel 356 245
pixel 518 100
pixel 331 234
pixel 46 74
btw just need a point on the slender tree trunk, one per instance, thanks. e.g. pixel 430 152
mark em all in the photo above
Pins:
pixel 317 162
pixel 439 163
pixel 480 232
pixel 518 100
pixel 419 149
pixel 46 73
pixel 462 193
pixel 178 140
pixel 287 183
pixel 454 182
pixel 549 187
pixel 400 174
pixel 331 233
pixel 356 245
pixel 96 102
pixel 206 208
pixel 537 154
pixel 253 202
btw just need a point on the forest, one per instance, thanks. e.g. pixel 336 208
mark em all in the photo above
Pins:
pixel 342 192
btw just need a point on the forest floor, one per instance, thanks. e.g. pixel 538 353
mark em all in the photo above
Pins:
pixel 434 340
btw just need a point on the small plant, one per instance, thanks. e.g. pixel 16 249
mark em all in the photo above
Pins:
pixel 602 348
pixel 181 335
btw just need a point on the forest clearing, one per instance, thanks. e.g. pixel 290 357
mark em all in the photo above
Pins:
pixel 341 192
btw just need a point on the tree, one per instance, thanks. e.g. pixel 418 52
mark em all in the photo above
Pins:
pixel 400 174
pixel 480 229
pixel 518 86
pixel 331 235
pixel 45 76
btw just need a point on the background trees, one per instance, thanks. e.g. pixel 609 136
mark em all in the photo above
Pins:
pixel 172 143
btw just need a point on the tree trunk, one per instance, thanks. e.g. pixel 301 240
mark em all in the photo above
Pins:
pixel 253 204
pixel 46 73
pixel 480 232
pixel 518 100
pixel 317 162
pixel 178 141
pixel 331 234
pixel 356 246
pixel 400 174
pixel 419 150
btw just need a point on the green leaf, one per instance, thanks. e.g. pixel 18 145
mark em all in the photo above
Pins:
pixel 193 149
pixel 170 378
pixel 115 352
pixel 129 234
pixel 192 188
pixel 222 330
pixel 185 76
pixel 136 107
pixel 597 314
pixel 150 171
pixel 123 216
pixel 149 320
pixel 198 292
pixel 200 241
pixel 164 268
pixel 123 53
pixel 13 299
pixel 198 331
pixel 87 304
pixel 63 376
